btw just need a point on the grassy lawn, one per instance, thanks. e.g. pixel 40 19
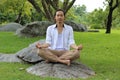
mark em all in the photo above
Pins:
pixel 11 43
pixel 101 52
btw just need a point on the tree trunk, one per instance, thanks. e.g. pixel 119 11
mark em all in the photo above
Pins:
pixel 109 22
pixel 36 6
pixel 109 18
pixel 19 16
pixel 18 19
pixel 47 10
pixel 67 5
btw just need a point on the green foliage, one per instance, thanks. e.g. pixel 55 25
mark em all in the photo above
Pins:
pixel 116 18
pixel 95 26
pixel 100 52
pixel 80 10
pixel 9 13
pixel 97 19
pixel 77 14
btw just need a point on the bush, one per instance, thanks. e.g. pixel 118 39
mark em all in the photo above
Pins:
pixel 95 26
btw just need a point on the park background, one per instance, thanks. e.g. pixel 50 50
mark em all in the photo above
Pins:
pixel 101 49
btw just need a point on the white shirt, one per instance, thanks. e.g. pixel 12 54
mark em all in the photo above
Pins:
pixel 52 36
pixel 59 45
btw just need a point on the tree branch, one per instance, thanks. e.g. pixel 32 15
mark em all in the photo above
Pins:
pixel 65 3
pixel 46 7
pixel 54 4
pixel 36 6
pixel 115 5
pixel 69 6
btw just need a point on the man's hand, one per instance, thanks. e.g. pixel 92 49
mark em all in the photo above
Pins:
pixel 80 47
pixel 38 46
pixel 74 46
pixel 45 45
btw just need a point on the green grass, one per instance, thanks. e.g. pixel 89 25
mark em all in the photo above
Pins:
pixel 101 52
pixel 11 43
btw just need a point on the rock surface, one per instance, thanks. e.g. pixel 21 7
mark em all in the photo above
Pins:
pixel 56 70
pixel 9 58
pixel 33 29
pixel 10 27
pixel 29 54
pixel 77 27
pixel 75 70
pixel 38 28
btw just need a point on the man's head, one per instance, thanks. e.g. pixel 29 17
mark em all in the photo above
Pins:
pixel 59 16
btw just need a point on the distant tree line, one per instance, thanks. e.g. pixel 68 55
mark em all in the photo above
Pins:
pixel 25 11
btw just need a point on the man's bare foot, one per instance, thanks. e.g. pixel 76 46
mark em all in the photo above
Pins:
pixel 67 62
pixel 80 47
pixel 47 61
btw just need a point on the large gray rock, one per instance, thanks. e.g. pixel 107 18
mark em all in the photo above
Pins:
pixel 29 54
pixel 9 58
pixel 10 27
pixel 76 27
pixel 38 28
pixel 75 70
pixel 33 29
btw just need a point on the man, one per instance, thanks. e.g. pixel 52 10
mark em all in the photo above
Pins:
pixel 59 40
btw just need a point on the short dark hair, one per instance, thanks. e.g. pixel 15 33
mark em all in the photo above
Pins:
pixel 59 10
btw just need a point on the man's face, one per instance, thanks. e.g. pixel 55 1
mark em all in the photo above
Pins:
pixel 59 17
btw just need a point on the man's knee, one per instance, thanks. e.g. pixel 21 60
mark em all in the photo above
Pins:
pixel 77 53
pixel 41 52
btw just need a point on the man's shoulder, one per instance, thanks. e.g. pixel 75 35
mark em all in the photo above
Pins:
pixel 67 26
pixel 52 26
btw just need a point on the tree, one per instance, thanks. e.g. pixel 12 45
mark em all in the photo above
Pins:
pixel 96 19
pixel 112 7
pixel 77 14
pixel 49 6
pixel 18 12
pixel 116 18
